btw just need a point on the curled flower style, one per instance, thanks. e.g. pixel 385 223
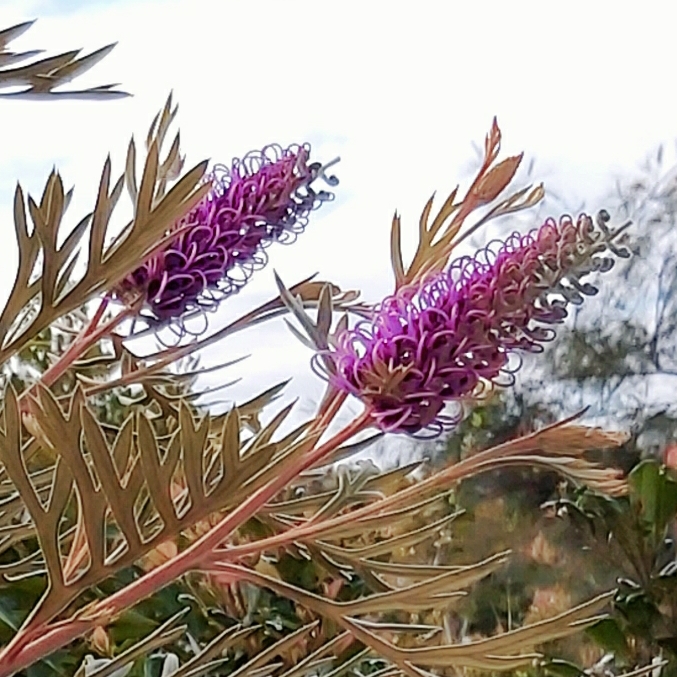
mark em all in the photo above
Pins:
pixel 439 341
pixel 262 198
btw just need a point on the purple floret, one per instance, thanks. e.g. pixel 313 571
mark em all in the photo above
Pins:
pixel 264 197
pixel 437 342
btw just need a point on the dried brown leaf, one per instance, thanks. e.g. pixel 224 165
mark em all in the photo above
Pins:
pixel 496 180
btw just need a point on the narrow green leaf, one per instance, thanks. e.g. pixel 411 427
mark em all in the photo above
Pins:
pixel 608 634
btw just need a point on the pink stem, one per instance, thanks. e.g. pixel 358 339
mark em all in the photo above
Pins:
pixel 97 315
pixel 89 336
pixel 32 644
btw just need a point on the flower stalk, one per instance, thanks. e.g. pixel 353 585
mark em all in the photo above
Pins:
pixel 33 643
pixel 88 337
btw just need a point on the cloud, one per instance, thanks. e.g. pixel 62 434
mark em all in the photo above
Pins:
pixel 400 95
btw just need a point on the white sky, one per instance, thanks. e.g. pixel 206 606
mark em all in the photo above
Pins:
pixel 585 88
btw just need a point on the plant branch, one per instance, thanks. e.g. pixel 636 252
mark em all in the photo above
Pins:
pixel 33 643
pixel 521 451
pixel 88 337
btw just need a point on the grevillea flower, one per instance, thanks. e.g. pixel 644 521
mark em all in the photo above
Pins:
pixel 264 197
pixel 439 341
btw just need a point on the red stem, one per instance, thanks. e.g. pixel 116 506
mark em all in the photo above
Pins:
pixel 33 644
pixel 97 315
pixel 89 336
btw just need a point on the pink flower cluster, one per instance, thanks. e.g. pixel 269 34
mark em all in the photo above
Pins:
pixel 433 344
pixel 264 197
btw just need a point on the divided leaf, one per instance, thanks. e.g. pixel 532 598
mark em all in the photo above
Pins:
pixel 437 240
pixel 44 289
pixel 40 78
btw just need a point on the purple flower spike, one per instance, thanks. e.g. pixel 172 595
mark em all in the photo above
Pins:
pixel 264 197
pixel 439 341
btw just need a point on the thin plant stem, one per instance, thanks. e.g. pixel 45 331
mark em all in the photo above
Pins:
pixel 469 466
pixel 88 337
pixel 34 643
